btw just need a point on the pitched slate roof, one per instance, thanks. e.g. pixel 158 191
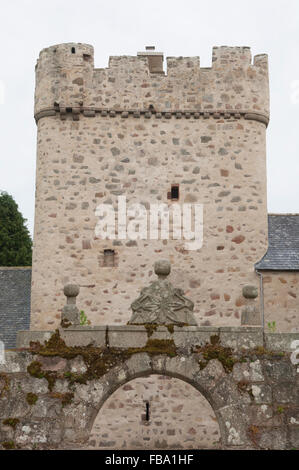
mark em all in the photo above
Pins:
pixel 283 246
pixel 15 288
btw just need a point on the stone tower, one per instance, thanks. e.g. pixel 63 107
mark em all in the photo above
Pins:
pixel 188 135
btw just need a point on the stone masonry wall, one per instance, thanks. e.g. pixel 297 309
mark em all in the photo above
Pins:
pixel 57 398
pixel 81 164
pixel 281 294
pixel 120 131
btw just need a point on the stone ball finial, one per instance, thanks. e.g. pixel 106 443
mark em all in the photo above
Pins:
pixel 250 292
pixel 71 290
pixel 162 267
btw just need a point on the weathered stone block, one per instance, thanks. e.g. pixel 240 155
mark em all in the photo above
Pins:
pixel 6 433
pixel 61 386
pixel 261 393
pixel 127 336
pixel 227 393
pixel 14 405
pixel 208 377
pixel 78 365
pixel 33 432
pixel 119 374
pixel 91 393
pixel 186 338
pixel 55 436
pixel 158 364
pixel 28 384
pixel 241 337
pixel 286 393
pixel 181 366
pixel 280 341
pixel 292 415
pixel 280 370
pixel 139 364
pixel 232 422
pixel 16 361
pixel 273 439
pixel 55 363
pixel 251 372
pixel 25 337
pixel 261 415
pixel 294 437
pixel 84 336
pixel 46 407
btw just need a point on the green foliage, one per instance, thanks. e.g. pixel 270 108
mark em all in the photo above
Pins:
pixel 83 319
pixel 15 240
pixel 272 326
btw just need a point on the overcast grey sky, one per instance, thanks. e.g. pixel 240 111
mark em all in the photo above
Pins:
pixel 177 28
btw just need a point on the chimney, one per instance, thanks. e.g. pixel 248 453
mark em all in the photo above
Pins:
pixel 155 59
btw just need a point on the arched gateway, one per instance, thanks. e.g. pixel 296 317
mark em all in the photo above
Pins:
pixel 155 412
pixel 51 396
pixel 162 304
pixel 221 391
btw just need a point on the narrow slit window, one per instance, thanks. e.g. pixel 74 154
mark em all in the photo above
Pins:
pixel 73 50
pixel 147 411
pixel 109 258
pixel 175 193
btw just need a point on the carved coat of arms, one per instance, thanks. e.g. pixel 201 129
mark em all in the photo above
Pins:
pixel 161 303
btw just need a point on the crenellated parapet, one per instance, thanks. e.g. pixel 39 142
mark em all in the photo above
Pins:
pixel 67 82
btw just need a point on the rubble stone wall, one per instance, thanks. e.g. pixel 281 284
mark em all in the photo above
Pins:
pixel 48 401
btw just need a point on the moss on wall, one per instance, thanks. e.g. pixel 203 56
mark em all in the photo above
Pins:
pixel 97 360
pixel 8 445
pixel 31 398
pixel 12 422
pixel 35 370
pixel 4 378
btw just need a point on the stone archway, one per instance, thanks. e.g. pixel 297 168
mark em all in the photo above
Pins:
pixel 43 407
pixel 155 412
pixel 218 388
pixel 50 396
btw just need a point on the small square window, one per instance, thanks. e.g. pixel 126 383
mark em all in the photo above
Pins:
pixel 175 193
pixel 109 258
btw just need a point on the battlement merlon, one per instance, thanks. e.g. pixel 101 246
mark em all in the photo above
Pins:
pixel 66 80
